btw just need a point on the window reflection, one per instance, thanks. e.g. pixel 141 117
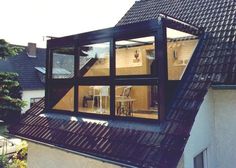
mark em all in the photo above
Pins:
pixel 63 63
pixel 94 59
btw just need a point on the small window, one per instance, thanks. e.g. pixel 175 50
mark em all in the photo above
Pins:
pixel 63 63
pixel 200 160
pixel 34 100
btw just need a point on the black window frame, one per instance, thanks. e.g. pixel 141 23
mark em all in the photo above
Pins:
pixel 156 28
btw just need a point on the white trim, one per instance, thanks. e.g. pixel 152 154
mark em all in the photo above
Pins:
pixel 205 157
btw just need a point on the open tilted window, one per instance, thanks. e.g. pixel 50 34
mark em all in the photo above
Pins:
pixel 124 72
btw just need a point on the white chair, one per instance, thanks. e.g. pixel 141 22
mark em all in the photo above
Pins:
pixel 101 91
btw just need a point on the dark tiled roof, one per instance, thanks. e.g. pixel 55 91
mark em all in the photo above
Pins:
pixel 125 145
pixel 6 66
pixel 25 67
pixel 214 61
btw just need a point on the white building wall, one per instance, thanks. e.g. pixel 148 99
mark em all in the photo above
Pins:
pixel 202 134
pixel 28 94
pixel 40 156
pixel 225 127
pixel 214 129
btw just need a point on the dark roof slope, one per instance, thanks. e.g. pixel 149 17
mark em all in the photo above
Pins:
pixel 5 66
pixel 214 61
pixel 25 67
pixel 124 145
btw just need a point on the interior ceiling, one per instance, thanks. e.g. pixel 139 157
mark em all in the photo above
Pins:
pixel 171 33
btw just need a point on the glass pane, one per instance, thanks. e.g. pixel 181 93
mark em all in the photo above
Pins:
pixel 94 59
pixel 61 97
pixel 94 99
pixel 137 101
pixel 63 63
pixel 180 47
pixel 135 56
pixel 199 161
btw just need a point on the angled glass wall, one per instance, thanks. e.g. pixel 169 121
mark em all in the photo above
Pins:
pixel 95 59
pixel 121 72
pixel 180 48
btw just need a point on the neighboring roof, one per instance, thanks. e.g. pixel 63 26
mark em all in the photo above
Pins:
pixel 25 67
pixel 214 61
pixel 6 66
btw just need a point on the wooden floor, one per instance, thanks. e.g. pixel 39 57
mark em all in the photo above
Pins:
pixel 149 113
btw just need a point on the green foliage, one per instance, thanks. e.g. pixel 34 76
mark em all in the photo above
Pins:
pixel 10 95
pixel 3 161
pixel 18 160
pixel 8 50
pixel 10 91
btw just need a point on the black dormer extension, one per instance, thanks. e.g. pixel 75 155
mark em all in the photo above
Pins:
pixel 124 72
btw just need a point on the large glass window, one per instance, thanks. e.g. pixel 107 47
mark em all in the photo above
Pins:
pixel 137 101
pixel 94 59
pixel 135 56
pixel 94 99
pixel 63 63
pixel 180 47
pixel 131 82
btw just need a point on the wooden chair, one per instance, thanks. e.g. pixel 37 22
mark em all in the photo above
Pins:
pixel 125 102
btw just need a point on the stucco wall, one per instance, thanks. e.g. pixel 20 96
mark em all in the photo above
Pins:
pixel 27 95
pixel 214 129
pixel 41 156
pixel 225 127
pixel 202 134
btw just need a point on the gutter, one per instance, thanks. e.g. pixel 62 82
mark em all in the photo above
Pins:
pixel 33 89
pixel 223 87
pixel 75 152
